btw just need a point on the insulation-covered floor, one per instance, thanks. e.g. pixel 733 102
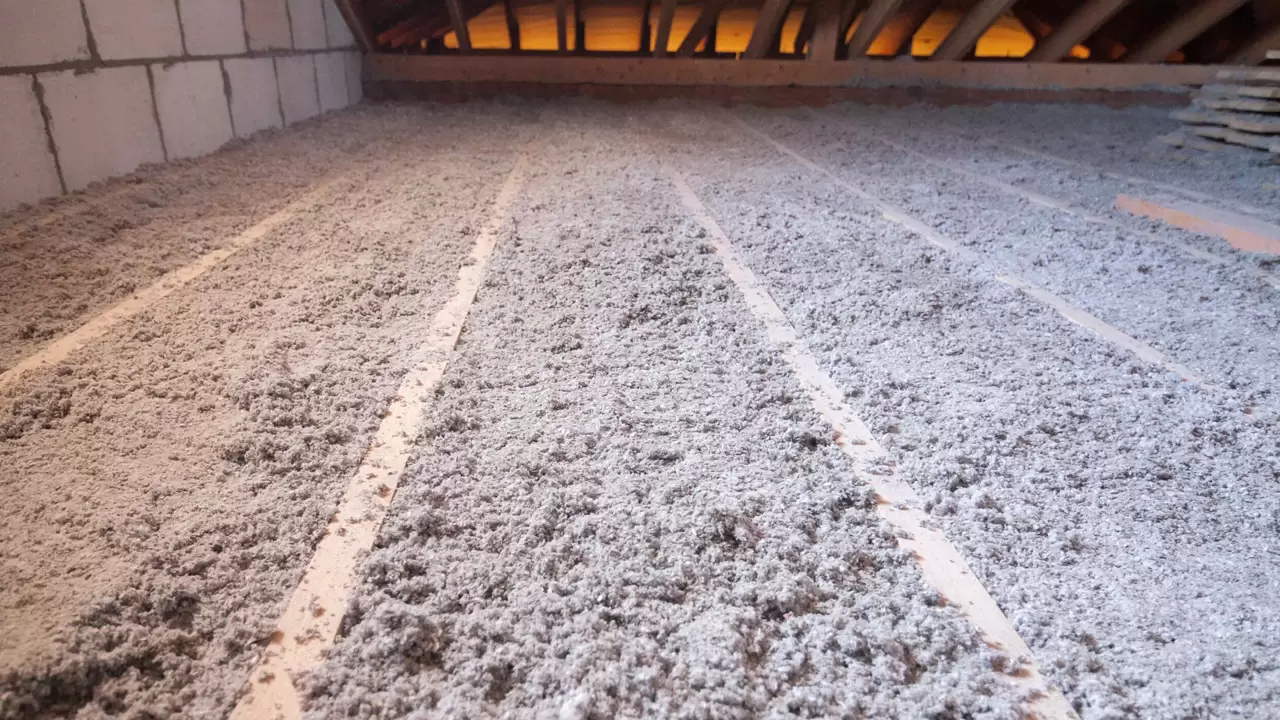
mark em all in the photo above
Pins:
pixel 624 497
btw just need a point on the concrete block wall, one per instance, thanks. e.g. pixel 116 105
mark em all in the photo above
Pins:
pixel 93 89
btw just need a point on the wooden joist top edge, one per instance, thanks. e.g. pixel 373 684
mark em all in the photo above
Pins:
pixel 1263 75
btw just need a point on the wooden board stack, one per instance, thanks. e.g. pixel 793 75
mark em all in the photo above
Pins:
pixel 1243 110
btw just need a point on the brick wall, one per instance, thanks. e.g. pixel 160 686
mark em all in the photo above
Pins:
pixel 92 89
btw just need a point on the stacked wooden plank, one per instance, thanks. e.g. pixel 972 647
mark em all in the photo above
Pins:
pixel 1244 109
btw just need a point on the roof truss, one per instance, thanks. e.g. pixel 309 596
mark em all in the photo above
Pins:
pixel 1134 31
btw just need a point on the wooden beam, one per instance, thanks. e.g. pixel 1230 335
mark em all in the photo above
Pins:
pixel 1032 21
pixel 963 38
pixel 1182 29
pixel 805 32
pixel 764 37
pixel 427 23
pixel 849 10
pixel 646 29
pixel 1266 12
pixel 872 22
pixel 665 16
pixel 459 21
pixel 1243 232
pixel 1077 28
pixel 360 27
pixel 1254 50
pixel 431 23
pixel 709 47
pixel 513 24
pixel 579 27
pixel 407 31
pixel 826 30
pixel 1177 80
pixel 897 33
pixel 562 29
pixel 701 28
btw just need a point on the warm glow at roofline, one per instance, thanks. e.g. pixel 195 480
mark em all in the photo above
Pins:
pixel 617 29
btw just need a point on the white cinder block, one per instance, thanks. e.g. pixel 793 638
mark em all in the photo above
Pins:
pixel 192 103
pixel 103 124
pixel 268 24
pixel 212 27
pixel 309 32
pixel 28 172
pixel 339 34
pixel 131 29
pixel 41 33
pixel 255 99
pixel 297 76
pixel 355 77
pixel 331 76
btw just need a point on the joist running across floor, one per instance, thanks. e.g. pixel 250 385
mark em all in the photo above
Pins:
pixel 1101 328
pixel 942 565
pixel 1066 206
pixel 925 343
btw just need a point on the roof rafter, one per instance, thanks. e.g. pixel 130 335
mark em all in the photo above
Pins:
pixel 562 31
pixel 1182 29
pixel 458 18
pixel 1077 28
pixel 872 22
pixel 900 29
pixel 701 28
pixel 359 25
pixel 513 24
pixel 963 38
pixel 764 38
pixel 1254 50
pixel 826 30
pixel 666 14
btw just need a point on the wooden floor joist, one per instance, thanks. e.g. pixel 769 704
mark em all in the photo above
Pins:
pixel 308 627
pixel 624 71
pixel 140 300
pixel 1183 29
pixel 1243 104
pixel 941 563
pixel 1253 76
pixel 1268 143
pixel 1077 28
pixel 1244 233
pixel 963 38
pixel 1258 125
pixel 1261 92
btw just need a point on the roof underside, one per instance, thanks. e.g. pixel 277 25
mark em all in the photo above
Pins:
pixel 1190 31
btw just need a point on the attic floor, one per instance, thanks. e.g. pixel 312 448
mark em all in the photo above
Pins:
pixel 697 350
